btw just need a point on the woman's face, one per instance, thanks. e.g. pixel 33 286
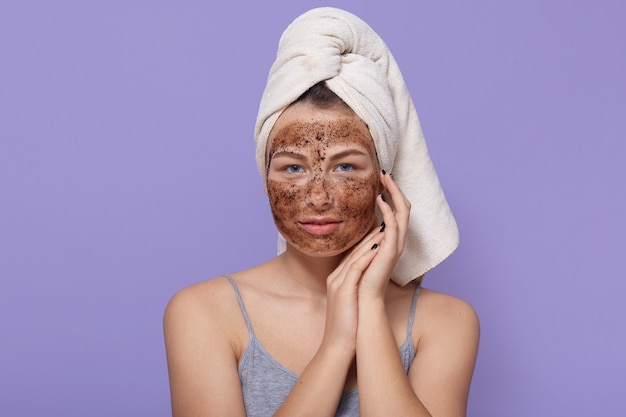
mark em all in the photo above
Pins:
pixel 322 178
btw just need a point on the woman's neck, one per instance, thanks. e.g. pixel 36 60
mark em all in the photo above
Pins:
pixel 309 272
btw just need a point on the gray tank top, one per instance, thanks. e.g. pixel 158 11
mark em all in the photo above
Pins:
pixel 265 383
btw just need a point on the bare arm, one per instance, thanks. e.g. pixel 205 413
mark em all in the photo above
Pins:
pixel 201 361
pixel 319 388
pixel 438 382
pixel 384 388
pixel 446 354
pixel 439 378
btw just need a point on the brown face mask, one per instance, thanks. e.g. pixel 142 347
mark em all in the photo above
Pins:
pixel 322 183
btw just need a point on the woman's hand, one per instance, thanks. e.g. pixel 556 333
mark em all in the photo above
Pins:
pixel 342 287
pixel 366 269
pixel 396 220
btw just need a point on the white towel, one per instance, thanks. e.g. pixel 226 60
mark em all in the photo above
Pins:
pixel 336 46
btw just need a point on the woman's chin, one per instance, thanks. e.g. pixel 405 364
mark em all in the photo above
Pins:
pixel 322 249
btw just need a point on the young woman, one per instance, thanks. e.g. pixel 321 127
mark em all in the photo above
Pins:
pixel 331 326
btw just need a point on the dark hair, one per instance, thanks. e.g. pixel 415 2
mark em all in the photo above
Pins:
pixel 321 96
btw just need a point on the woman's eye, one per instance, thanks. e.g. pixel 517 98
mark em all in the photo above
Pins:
pixel 345 167
pixel 294 169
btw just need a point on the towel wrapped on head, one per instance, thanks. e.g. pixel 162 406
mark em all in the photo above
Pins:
pixel 332 45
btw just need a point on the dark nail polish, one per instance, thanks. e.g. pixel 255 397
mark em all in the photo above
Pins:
pixel 384 172
pixel 391 176
pixel 375 246
pixel 382 228
pixel 383 197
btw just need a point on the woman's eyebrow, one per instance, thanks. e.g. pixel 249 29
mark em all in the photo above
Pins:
pixel 348 152
pixel 288 154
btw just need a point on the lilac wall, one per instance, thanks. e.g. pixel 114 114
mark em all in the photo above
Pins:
pixel 127 172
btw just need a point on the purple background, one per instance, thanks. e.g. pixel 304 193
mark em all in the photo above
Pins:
pixel 127 172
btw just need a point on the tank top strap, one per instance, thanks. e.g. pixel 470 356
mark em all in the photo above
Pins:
pixel 412 312
pixel 241 305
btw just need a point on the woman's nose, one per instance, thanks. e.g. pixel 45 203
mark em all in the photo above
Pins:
pixel 319 194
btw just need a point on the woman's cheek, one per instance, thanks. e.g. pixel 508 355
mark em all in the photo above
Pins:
pixel 359 202
pixel 283 199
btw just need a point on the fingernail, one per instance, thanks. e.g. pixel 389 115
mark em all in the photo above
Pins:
pixel 391 176
pixel 382 229
pixel 374 246
pixel 383 197
pixel 384 172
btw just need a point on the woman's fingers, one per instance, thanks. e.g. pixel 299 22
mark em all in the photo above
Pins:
pixel 366 247
pixel 342 287
pixel 397 213
pixel 373 259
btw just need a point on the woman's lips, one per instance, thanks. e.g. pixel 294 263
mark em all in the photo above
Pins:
pixel 320 226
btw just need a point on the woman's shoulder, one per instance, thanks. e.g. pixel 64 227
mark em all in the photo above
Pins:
pixel 206 314
pixel 215 297
pixel 204 296
pixel 438 303
pixel 439 313
pixel 210 304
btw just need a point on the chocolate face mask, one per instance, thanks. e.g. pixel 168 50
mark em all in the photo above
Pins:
pixel 322 183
